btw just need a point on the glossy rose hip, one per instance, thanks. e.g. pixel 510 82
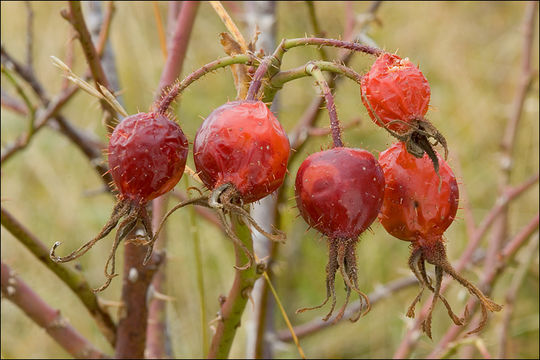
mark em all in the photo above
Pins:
pixel 242 143
pixel 340 191
pixel 147 156
pixel 396 90
pixel 414 207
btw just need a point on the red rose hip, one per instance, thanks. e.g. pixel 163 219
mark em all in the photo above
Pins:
pixel 396 95
pixel 243 144
pixel 147 156
pixel 339 192
pixel 419 205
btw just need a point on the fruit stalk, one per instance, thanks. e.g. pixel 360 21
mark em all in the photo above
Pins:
pixel 170 94
pixel 278 80
pixel 314 71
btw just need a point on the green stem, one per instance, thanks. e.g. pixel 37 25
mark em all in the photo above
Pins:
pixel 233 307
pixel 283 77
pixel 200 273
pixel 171 93
pixel 74 280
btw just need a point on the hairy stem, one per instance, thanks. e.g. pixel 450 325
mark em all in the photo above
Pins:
pixel 314 71
pixel 170 94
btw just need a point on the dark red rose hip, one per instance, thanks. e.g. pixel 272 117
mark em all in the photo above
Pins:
pixel 339 192
pixel 147 156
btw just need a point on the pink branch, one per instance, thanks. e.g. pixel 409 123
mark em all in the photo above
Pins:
pixel 18 292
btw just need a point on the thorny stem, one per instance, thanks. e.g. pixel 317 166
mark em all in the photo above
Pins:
pixel 18 292
pixel 290 43
pixel 256 82
pixel 231 310
pixel 170 95
pixel 314 71
pixel 281 78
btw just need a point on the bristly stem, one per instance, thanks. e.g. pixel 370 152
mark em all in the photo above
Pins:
pixel 169 95
pixel 281 78
pixel 314 71
pixel 256 82
pixel 290 43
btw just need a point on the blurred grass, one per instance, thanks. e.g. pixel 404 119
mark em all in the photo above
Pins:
pixel 470 53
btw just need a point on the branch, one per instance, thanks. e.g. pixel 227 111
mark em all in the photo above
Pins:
pixel 132 323
pixel 76 18
pixel 512 294
pixel 18 292
pixel 316 28
pixel 505 256
pixel 232 308
pixel 73 279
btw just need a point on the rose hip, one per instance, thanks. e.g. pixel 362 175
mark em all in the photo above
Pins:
pixel 147 157
pixel 241 143
pixel 339 192
pixel 396 95
pixel 418 207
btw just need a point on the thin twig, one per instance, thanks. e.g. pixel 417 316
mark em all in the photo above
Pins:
pixel 76 18
pixel 316 28
pixel 511 296
pixel 18 292
pixel 29 36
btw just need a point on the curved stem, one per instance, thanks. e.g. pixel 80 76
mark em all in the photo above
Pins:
pixel 170 94
pixel 314 71
pixel 290 43
pixel 256 82
pixel 278 80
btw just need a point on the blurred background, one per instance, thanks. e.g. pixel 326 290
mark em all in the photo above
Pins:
pixel 471 54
